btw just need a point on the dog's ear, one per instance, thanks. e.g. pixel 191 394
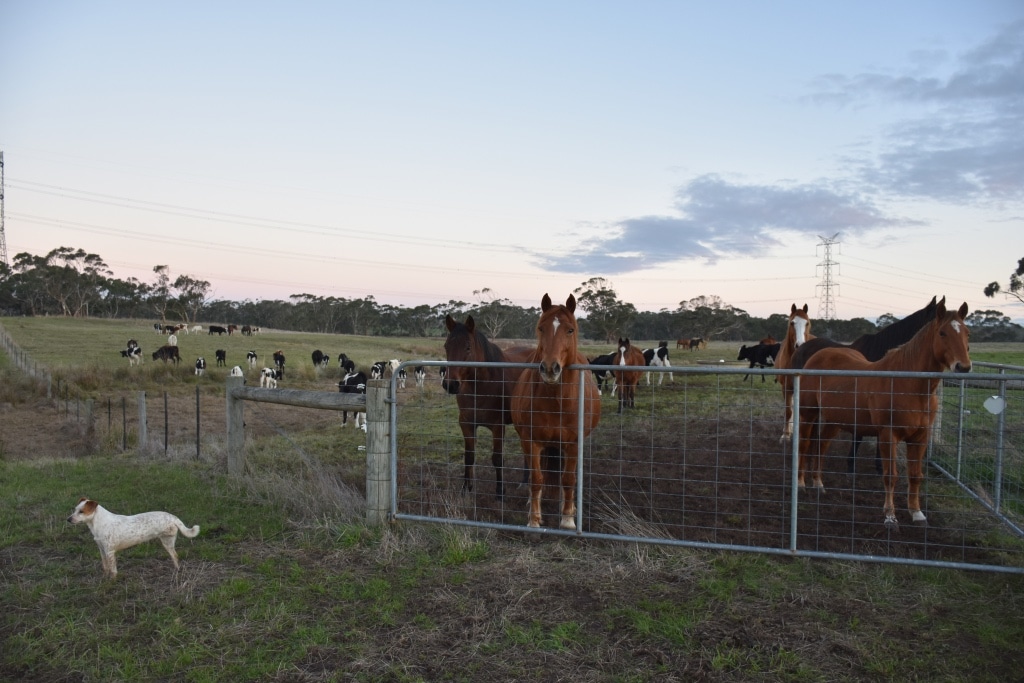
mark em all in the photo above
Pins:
pixel 82 498
pixel 89 507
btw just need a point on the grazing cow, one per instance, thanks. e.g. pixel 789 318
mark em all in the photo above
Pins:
pixel 269 377
pixel 200 365
pixel 603 373
pixel 167 353
pixel 658 358
pixel 251 359
pixel 172 340
pixel 216 329
pixel 346 364
pixel 279 363
pixel 237 372
pixel 421 376
pixel 133 354
pixel 353 383
pixel 247 330
pixel 170 329
pixel 377 369
pixel 682 343
pixel 222 357
pixel 196 329
pixel 762 355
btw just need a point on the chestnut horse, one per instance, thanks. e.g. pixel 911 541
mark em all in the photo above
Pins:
pixel 483 394
pixel 627 380
pixel 798 331
pixel 546 405
pixel 893 409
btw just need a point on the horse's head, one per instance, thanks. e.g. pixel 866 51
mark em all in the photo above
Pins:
pixel 460 346
pixel 556 338
pixel 952 341
pixel 799 324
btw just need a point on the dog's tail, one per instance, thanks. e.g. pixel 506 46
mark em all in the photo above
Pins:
pixel 188 533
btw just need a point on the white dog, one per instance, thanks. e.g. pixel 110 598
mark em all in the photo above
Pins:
pixel 117 532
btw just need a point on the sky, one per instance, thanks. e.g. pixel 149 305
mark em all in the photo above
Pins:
pixel 427 152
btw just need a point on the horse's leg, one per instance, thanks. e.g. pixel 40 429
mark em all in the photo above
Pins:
pixel 878 458
pixel 826 434
pixel 807 436
pixel 915 458
pixel 568 488
pixel 887 444
pixel 469 439
pixel 498 457
pixel 851 464
pixel 787 395
pixel 533 454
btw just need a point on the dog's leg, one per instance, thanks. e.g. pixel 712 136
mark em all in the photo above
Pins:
pixel 109 560
pixel 168 543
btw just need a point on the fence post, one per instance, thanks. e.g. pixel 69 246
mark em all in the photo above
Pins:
pixel 143 443
pixel 378 452
pixel 236 429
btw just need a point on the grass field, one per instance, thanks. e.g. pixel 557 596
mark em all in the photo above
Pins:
pixel 284 583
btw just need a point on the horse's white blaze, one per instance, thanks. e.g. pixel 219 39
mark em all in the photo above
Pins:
pixel 556 322
pixel 800 330
pixel 956 325
pixel 622 355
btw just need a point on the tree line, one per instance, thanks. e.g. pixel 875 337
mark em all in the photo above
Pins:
pixel 72 282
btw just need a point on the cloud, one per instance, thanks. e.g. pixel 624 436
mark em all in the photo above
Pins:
pixel 966 146
pixel 717 219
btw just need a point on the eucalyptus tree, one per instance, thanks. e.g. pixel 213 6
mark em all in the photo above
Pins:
pixel 607 317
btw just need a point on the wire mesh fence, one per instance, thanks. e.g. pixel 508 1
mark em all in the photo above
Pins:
pixel 699 461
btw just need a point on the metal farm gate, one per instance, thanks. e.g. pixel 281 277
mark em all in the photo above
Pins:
pixel 698 462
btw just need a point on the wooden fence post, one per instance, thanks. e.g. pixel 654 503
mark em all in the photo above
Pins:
pixel 143 443
pixel 378 452
pixel 236 429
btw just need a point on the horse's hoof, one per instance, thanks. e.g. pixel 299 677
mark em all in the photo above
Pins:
pixel 918 516
pixel 533 524
pixel 567 523
pixel 891 523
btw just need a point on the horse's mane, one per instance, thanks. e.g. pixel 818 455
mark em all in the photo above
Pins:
pixel 492 352
pixel 875 346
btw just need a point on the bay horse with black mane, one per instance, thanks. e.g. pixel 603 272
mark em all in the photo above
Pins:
pixel 483 394
pixel 627 380
pixel 893 409
pixel 798 331
pixel 546 405
pixel 873 347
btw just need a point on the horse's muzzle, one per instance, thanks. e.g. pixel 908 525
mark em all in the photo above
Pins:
pixel 451 386
pixel 960 367
pixel 552 374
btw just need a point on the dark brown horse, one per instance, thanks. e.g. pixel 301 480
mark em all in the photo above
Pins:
pixel 873 347
pixel 483 394
pixel 627 380
pixel 894 409
pixel 546 406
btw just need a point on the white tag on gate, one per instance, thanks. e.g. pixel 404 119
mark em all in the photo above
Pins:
pixel 994 404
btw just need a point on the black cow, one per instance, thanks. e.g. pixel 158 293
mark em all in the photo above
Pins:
pixel 200 365
pixel 353 383
pixel 222 357
pixel 762 355
pixel 603 372
pixel 167 353
pixel 217 329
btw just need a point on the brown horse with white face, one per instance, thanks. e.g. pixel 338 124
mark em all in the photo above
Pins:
pixel 894 409
pixel 798 331
pixel 546 405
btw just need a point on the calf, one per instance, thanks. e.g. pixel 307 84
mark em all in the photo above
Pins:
pixel 377 369
pixel 421 376
pixel 320 360
pixel 167 353
pixel 603 372
pixel 251 359
pixel 172 340
pixel 247 330
pixel 658 358
pixel 346 364
pixel 353 383
pixel 200 365
pixel 170 329
pixel 762 355
pixel 222 357
pixel 158 328
pixel 197 329
pixel 133 354
pixel 236 372
pixel 269 377
pixel 279 363
pixel 402 376
pixel 216 329
pixel 132 344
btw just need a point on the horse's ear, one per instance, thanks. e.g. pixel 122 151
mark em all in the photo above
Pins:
pixel 940 309
pixel 545 303
pixel 805 308
pixel 470 324
pixel 449 322
pixel 570 303
pixel 962 312
pixel 792 309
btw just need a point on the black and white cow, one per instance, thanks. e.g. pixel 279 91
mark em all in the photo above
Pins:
pixel 658 358
pixel 251 359
pixel 237 372
pixel 346 364
pixel 603 372
pixel 269 377
pixel 132 344
pixel 279 363
pixel 377 369
pixel 320 360
pixel 222 357
pixel 421 376
pixel 402 376
pixel 200 365
pixel 133 354
pixel 353 383
pixel 761 355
